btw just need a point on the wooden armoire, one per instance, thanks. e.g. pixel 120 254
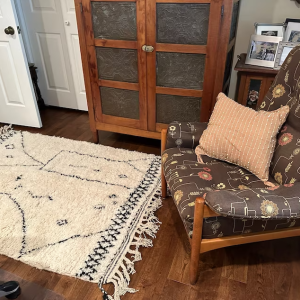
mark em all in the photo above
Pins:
pixel 150 62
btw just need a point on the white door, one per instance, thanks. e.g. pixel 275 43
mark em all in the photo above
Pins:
pixel 55 52
pixel 70 23
pixel 17 98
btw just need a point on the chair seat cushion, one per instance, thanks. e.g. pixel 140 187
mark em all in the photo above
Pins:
pixel 187 180
pixel 280 202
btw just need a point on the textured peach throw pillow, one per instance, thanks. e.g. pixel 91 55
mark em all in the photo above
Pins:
pixel 242 136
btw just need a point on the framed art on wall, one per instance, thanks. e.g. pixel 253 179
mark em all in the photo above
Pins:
pixel 284 49
pixel 262 50
pixel 276 29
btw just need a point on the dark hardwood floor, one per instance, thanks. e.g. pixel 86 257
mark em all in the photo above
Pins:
pixel 266 270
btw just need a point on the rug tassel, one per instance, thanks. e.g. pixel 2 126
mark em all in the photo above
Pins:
pixel 5 133
pixel 121 277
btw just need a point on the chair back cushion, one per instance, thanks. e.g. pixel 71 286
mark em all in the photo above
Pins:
pixel 285 90
pixel 242 136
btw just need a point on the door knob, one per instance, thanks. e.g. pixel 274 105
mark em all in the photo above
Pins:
pixel 147 48
pixel 9 30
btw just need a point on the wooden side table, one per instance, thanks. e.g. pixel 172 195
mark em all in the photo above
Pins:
pixel 254 82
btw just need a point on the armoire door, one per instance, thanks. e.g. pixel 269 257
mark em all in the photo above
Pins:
pixel 115 34
pixel 181 68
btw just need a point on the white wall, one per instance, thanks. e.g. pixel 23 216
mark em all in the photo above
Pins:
pixel 260 11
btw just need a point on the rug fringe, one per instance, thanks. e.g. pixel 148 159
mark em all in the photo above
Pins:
pixel 5 133
pixel 149 227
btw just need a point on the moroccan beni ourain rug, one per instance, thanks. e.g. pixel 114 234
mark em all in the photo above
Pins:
pixel 76 208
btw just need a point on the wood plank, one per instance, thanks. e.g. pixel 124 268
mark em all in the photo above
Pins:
pixel 91 58
pixel 113 0
pixel 198 49
pixel 241 87
pixel 116 43
pixel 178 91
pixel 211 244
pixel 142 62
pixel 87 22
pixel 235 267
pixel 241 66
pixel 231 290
pixel 94 78
pixel 85 65
pixel 211 61
pixel 175 290
pixel 119 84
pixel 151 63
pixel 223 49
pixel 128 130
pixel 183 1
pixel 121 121
pixel 161 126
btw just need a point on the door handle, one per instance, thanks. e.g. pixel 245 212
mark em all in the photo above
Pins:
pixel 9 30
pixel 147 48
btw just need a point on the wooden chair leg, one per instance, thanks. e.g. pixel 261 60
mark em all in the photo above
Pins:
pixel 196 239
pixel 95 137
pixel 163 179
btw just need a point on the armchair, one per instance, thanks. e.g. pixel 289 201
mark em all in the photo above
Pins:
pixel 222 204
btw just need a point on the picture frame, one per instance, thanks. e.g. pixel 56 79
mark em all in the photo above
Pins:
pixel 262 50
pixel 283 51
pixel 292 33
pixel 276 29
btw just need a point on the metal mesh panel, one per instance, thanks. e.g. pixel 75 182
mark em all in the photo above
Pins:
pixel 117 64
pixel 114 20
pixel 182 23
pixel 120 103
pixel 180 70
pixel 171 108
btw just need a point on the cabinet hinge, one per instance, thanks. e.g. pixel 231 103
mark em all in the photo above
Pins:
pixel 222 11
pixel 19 29
pixel 80 7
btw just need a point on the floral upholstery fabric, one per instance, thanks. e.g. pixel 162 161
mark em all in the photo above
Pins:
pixel 285 90
pixel 185 135
pixel 279 202
pixel 188 180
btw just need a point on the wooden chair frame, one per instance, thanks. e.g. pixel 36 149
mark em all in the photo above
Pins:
pixel 199 245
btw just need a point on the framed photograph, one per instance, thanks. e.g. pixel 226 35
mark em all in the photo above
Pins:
pixel 262 50
pixel 276 29
pixel 284 49
pixel 292 33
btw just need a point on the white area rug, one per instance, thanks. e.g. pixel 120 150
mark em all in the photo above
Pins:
pixel 76 208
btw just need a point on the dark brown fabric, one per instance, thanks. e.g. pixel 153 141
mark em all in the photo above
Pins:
pixel 187 180
pixel 279 202
pixel 285 166
pixel 219 183
pixel 222 226
pixel 184 134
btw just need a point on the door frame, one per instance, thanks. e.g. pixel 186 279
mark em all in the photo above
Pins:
pixel 141 86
